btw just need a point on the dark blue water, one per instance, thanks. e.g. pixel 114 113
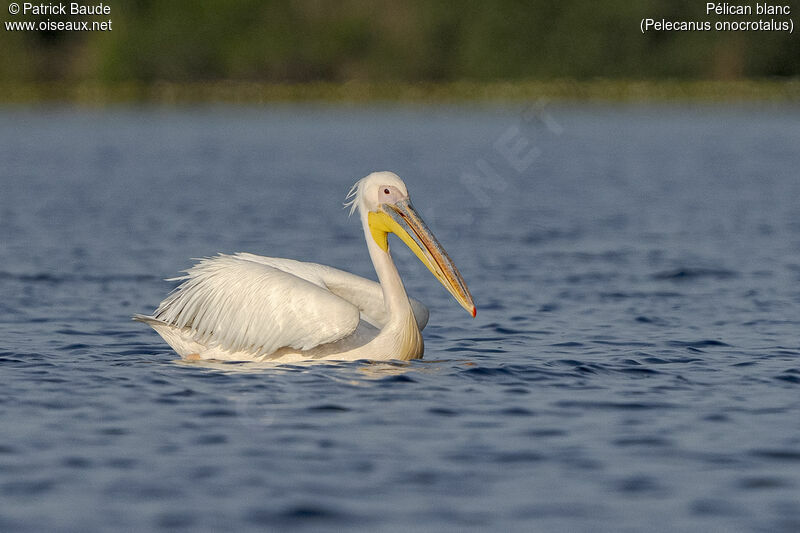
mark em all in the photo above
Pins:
pixel 635 362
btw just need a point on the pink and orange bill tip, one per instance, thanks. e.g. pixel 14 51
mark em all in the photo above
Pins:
pixel 474 311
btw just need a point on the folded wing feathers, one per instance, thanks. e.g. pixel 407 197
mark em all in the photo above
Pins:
pixel 243 305
pixel 365 294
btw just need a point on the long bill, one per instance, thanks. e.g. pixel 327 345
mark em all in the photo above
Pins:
pixel 403 220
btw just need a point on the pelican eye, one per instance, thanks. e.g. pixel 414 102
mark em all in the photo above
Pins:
pixel 385 191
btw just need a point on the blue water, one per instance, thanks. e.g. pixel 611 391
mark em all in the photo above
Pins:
pixel 634 365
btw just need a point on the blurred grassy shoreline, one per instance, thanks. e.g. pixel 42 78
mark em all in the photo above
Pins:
pixel 235 92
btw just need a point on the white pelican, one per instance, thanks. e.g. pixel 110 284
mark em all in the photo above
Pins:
pixel 245 307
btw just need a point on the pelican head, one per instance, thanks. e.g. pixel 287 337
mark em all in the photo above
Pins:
pixel 383 203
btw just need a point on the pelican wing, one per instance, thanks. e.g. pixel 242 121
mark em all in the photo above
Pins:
pixel 365 294
pixel 243 305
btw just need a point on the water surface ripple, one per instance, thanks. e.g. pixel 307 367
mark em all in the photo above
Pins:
pixel 635 362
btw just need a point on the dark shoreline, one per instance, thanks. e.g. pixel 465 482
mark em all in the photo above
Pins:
pixel 236 92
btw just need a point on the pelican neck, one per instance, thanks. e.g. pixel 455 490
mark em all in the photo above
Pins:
pixel 394 292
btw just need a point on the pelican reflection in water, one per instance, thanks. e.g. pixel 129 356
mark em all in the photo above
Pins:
pixel 246 307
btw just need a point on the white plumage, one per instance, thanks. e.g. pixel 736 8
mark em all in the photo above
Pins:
pixel 247 307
